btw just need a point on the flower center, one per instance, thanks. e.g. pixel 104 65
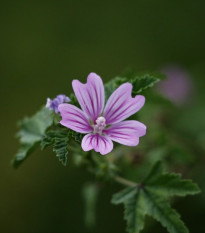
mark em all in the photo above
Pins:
pixel 99 126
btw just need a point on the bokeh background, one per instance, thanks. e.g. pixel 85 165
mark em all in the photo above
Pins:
pixel 46 44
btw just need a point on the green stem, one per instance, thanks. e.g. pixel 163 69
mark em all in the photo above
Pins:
pixel 124 181
pixel 116 178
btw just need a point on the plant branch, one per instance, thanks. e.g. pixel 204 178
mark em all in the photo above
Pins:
pixel 124 181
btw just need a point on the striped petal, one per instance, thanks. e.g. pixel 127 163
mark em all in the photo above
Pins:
pixel 126 132
pixel 91 96
pixel 74 118
pixel 121 105
pixel 102 144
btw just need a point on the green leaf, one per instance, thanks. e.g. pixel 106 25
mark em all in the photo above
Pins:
pixel 48 139
pixel 111 86
pixel 170 184
pixel 31 132
pixel 140 82
pixel 77 136
pixel 145 81
pixel 135 213
pixel 134 208
pixel 124 195
pixel 59 139
pixel 159 208
pixel 33 128
pixel 23 152
pixel 61 149
pixel 151 198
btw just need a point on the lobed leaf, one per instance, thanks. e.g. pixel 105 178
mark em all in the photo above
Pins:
pixel 135 213
pixel 77 136
pixel 124 195
pixel 159 208
pixel 61 149
pixel 31 132
pixel 59 138
pixel 23 152
pixel 145 81
pixel 170 184
pixel 33 128
pixel 151 198
pixel 48 139
pixel 140 82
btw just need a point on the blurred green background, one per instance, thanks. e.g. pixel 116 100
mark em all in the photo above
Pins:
pixel 46 44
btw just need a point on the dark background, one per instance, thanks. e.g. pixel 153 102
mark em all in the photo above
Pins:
pixel 46 44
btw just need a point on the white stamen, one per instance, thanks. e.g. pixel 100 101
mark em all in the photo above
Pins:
pixel 100 125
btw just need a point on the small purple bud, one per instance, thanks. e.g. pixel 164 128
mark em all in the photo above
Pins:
pixel 53 104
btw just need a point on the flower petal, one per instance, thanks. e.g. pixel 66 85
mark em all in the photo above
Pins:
pixel 74 118
pixel 121 105
pixel 102 144
pixel 126 132
pixel 91 96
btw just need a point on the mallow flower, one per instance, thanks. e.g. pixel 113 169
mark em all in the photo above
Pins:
pixel 53 104
pixel 103 123
pixel 178 86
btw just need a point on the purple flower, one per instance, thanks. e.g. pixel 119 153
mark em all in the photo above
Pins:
pixel 177 87
pixel 53 104
pixel 103 123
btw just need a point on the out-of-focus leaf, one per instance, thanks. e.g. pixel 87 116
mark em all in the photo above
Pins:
pixel 31 132
pixel 183 155
pixel 104 168
pixel 155 172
